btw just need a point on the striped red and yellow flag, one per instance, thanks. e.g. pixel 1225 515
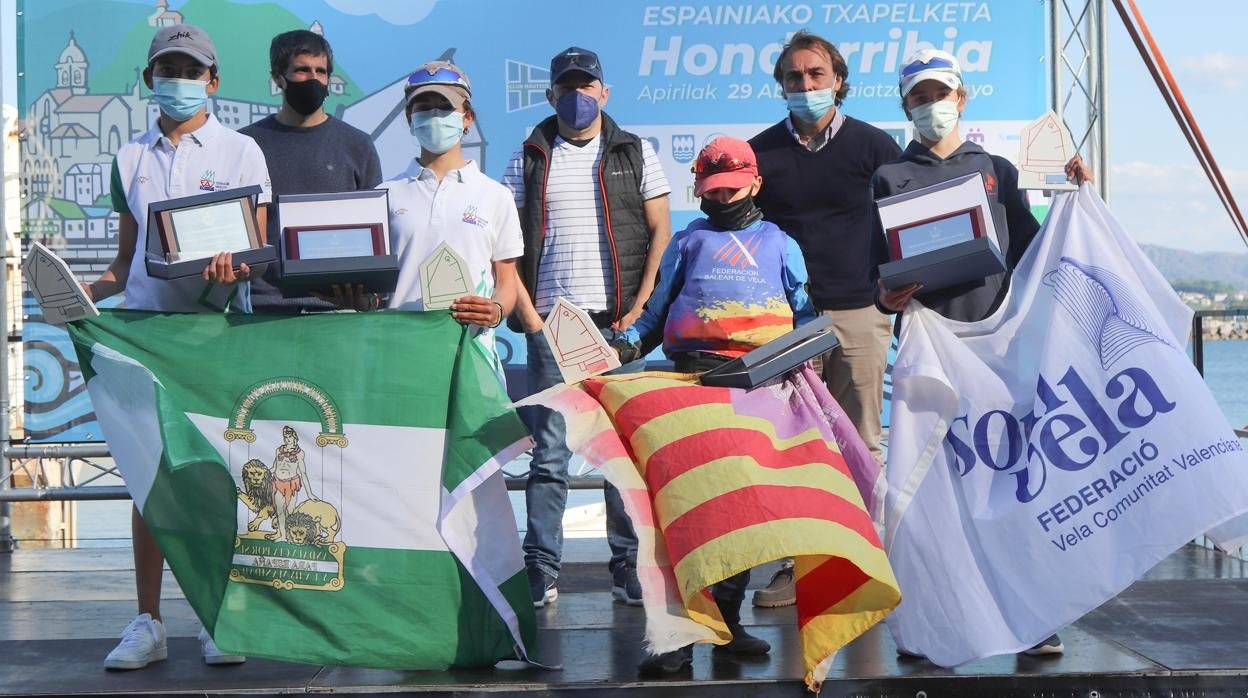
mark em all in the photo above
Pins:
pixel 720 480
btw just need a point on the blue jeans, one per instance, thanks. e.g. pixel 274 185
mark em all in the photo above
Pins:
pixel 546 494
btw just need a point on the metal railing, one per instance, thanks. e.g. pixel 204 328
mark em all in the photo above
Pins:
pixel 37 463
pixel 1198 331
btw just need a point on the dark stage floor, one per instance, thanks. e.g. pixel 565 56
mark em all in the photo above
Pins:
pixel 1181 631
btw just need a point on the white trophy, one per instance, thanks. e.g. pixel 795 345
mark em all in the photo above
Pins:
pixel 1045 147
pixel 443 278
pixel 578 346
pixel 56 289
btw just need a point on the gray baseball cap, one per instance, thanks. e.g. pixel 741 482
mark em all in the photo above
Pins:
pixel 183 38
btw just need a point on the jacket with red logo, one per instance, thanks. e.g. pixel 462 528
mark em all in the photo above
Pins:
pixel 1016 226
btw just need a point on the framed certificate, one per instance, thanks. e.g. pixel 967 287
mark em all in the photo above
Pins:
pixel 201 231
pixel 184 234
pixel 333 241
pixel 335 238
pixel 936 232
pixel 941 235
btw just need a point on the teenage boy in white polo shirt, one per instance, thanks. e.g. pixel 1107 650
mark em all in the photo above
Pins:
pixel 186 152
pixel 443 197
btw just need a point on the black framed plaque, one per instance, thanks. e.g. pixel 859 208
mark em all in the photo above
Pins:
pixel 335 238
pixel 941 235
pixel 184 234
pixel 775 358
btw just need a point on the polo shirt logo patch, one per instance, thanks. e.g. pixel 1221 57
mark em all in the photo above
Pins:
pixel 206 181
pixel 471 216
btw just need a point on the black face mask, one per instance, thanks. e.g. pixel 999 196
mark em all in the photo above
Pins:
pixel 736 215
pixel 307 96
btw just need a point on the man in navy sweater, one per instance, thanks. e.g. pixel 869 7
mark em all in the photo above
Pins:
pixel 307 150
pixel 816 167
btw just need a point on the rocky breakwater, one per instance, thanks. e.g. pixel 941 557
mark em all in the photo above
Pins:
pixel 1226 328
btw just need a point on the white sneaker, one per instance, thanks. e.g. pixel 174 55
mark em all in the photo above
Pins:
pixel 213 654
pixel 142 642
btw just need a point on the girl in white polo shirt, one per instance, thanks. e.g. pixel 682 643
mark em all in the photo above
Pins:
pixel 444 198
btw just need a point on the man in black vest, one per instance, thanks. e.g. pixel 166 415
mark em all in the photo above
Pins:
pixel 594 210
pixel 816 167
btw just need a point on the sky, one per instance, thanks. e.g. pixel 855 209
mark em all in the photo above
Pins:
pixel 1156 186
pixel 1157 189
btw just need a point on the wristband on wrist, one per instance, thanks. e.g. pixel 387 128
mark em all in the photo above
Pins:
pixel 501 314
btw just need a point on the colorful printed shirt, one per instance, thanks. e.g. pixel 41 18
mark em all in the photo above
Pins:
pixel 726 291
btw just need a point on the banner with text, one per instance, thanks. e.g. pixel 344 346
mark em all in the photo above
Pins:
pixel 680 74
pixel 1045 458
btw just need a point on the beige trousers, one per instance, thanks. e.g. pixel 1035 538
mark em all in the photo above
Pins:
pixel 854 371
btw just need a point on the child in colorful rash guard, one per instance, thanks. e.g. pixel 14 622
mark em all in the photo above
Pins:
pixel 728 283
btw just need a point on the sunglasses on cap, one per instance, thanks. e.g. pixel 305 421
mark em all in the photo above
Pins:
pixel 579 60
pixel 442 76
pixel 720 163
pixel 934 63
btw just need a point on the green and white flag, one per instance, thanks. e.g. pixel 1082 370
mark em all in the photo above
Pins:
pixel 326 488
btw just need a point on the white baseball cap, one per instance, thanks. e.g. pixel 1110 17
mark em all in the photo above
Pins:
pixel 929 64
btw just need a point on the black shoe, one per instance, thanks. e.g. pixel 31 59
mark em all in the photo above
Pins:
pixel 541 587
pixel 1051 645
pixel 906 654
pixel 780 591
pixel 667 663
pixel 745 644
pixel 625 586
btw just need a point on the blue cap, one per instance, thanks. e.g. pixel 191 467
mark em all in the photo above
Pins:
pixel 574 58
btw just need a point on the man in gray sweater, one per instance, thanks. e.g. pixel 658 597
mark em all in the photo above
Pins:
pixel 307 150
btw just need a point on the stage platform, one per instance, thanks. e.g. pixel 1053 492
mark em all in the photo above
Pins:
pixel 1182 631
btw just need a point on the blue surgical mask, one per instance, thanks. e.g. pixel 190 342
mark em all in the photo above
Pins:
pixel 935 120
pixel 179 99
pixel 438 130
pixel 810 106
pixel 577 109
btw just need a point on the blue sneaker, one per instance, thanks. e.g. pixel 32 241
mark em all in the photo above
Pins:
pixel 625 586
pixel 542 587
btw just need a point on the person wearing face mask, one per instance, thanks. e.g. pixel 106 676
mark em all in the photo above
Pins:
pixel 186 152
pixel 728 283
pixel 308 151
pixel 933 98
pixel 444 198
pixel 593 205
pixel 816 166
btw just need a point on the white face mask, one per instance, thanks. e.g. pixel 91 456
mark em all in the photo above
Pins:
pixel 935 120
pixel 438 130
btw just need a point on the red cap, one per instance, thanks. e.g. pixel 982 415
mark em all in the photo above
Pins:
pixel 724 163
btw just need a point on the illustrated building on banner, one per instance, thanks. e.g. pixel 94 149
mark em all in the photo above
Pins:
pixel 70 135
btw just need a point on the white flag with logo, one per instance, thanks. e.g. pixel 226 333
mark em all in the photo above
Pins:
pixel 1044 458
